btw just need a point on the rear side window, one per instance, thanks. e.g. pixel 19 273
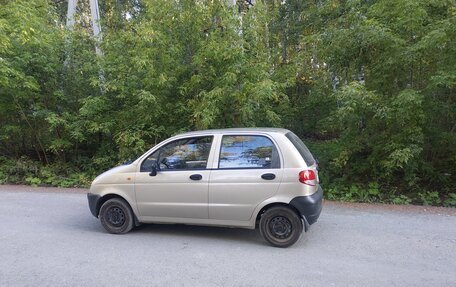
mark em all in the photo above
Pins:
pixel 302 148
pixel 245 151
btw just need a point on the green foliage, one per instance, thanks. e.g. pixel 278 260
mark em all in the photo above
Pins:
pixel 370 86
pixel 27 171
pixel 33 181
pixel 376 137
pixel 371 193
pixel 429 197
pixel 401 199
pixel 451 200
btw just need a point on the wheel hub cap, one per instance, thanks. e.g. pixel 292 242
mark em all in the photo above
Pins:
pixel 115 216
pixel 280 227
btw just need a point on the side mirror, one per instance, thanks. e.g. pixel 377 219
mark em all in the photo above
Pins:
pixel 153 172
pixel 155 167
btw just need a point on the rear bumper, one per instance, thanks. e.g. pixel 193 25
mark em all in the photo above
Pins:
pixel 309 206
pixel 93 201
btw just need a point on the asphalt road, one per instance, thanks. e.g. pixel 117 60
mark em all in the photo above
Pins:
pixel 51 239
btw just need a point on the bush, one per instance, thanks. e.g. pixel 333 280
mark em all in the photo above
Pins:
pixel 401 199
pixel 450 201
pixel 429 198
pixel 26 171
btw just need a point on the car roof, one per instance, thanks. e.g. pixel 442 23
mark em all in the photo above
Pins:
pixel 236 130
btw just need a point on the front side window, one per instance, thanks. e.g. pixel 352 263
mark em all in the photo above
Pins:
pixel 188 153
pixel 248 152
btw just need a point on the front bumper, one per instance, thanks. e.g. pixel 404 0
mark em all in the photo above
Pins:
pixel 93 201
pixel 309 206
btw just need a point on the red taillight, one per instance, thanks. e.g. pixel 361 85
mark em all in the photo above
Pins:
pixel 308 177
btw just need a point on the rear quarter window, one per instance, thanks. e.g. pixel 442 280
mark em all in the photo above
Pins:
pixel 302 148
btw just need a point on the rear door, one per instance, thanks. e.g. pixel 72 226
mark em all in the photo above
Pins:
pixel 247 170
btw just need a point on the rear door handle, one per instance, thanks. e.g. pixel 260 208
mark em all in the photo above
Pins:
pixel 196 177
pixel 268 176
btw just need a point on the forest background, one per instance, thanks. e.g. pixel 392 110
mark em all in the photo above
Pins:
pixel 368 85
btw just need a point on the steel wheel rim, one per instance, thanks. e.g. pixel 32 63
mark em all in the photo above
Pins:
pixel 115 216
pixel 280 227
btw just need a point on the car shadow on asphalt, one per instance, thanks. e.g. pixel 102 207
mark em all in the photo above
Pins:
pixel 183 232
pixel 204 232
pixel 173 231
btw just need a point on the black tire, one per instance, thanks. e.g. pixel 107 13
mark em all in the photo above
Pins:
pixel 281 226
pixel 116 216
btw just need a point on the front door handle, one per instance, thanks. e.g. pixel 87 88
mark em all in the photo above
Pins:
pixel 268 176
pixel 196 177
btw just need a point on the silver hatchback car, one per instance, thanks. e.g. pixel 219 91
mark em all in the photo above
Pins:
pixel 246 177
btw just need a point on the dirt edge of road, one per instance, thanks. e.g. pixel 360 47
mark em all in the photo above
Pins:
pixel 28 188
pixel 352 205
pixel 437 210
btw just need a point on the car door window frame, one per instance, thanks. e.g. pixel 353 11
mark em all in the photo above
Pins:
pixel 166 143
pixel 219 152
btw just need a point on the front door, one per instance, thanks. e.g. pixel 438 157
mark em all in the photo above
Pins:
pixel 248 173
pixel 180 186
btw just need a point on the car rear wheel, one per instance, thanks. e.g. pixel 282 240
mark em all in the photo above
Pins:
pixel 116 216
pixel 281 226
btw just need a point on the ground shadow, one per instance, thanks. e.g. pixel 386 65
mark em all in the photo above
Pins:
pixel 91 224
pixel 207 232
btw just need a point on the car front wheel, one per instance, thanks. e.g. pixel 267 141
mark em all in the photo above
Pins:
pixel 280 226
pixel 116 216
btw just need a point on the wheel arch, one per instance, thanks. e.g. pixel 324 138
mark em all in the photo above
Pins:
pixel 273 204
